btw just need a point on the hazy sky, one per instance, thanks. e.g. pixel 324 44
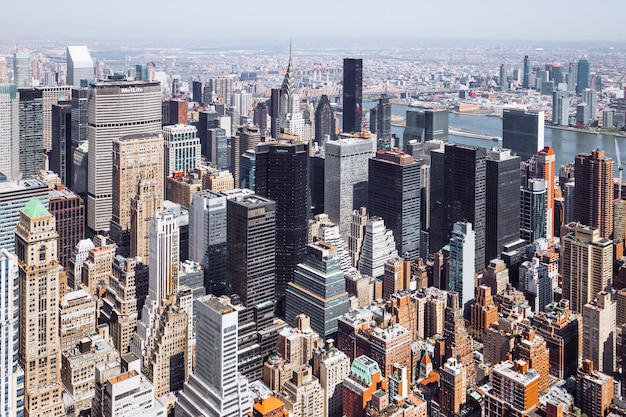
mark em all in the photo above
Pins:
pixel 559 20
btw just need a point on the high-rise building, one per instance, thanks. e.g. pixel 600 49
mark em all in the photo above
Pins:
pixel 96 269
pixel 60 156
pixel 78 137
pixel 560 108
pixel 542 165
pixel 182 148
pixel 49 97
pixel 378 247
pixel 260 117
pixel 290 118
pixel 345 178
pixel 207 238
pixel 536 284
pixel 504 82
pixel 587 266
pixel 526 73
pixel 14 195
pixel 22 71
pixel 79 65
pixel 531 348
pixel 483 313
pixel 251 240
pixel 394 194
pixel 593 195
pixel 502 201
pixel 599 332
pixel 594 390
pixel 589 98
pixel 462 176
pixel 12 375
pixel 358 388
pixel 302 394
pixel 69 210
pixel 380 122
pixel 215 388
pixel 136 158
pixel 318 290
pixel 147 201
pixel 324 121
pixel 116 109
pixel 334 367
pixel 582 76
pixel 457 342
pixel 426 125
pixel 461 270
pixel 121 296
pixel 221 88
pixel 453 387
pixel 282 176
pixel 39 352
pixel 533 210
pixel 515 389
pixel 31 132
pixel 352 95
pixel 522 132
pixel 247 138
pixel 9 132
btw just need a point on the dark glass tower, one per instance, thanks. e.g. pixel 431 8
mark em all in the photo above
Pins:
pixel 31 131
pixel 502 201
pixel 324 120
pixel 583 76
pixel 462 180
pixel 282 176
pixel 197 92
pixel 61 152
pixel 425 125
pixel 526 75
pixel 383 122
pixel 522 132
pixel 352 94
pixel 394 194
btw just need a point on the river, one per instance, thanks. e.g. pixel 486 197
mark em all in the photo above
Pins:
pixel 565 143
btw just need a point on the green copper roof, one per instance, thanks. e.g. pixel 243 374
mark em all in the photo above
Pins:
pixel 34 208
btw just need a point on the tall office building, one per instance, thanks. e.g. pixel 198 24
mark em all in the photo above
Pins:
pixel 39 352
pixel 345 180
pixel 9 132
pixel 182 148
pixel 251 238
pixel 318 290
pixel 196 92
pixel 260 117
pixel 352 95
pixel 290 118
pixel 78 137
pixel 595 390
pixel 526 73
pixel 560 108
pixel 426 125
pixel 69 210
pixel 22 71
pixel 543 165
pixel 589 97
pixel 207 238
pixel 533 210
pixel 593 195
pixel 221 88
pixel 599 334
pixel 216 388
pixel 137 158
pixel 457 342
pixel 282 176
pixel 377 248
pixel 453 387
pixel 334 367
pixel 522 132
pixel 462 176
pixel 14 195
pixel 504 82
pixel 462 253
pixel 394 194
pixel 582 76
pixel 246 138
pixel 79 65
pixel 49 97
pixel 116 109
pixel 60 155
pixel 502 201
pixel 587 266
pixel 364 379
pixel 31 132
pixel 11 374
pixel 121 297
pixel 380 122
pixel 324 121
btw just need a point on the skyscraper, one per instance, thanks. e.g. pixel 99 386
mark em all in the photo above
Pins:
pixel 394 194
pixel 215 388
pixel 599 334
pixel 582 80
pixel 39 352
pixel 22 71
pixel 221 88
pixel 9 132
pixel 69 210
pixel 282 176
pixel 594 390
pixel 79 65
pixel 462 253
pixel 593 195
pixel 463 178
pixel 502 201
pixel 533 210
pixel 381 125
pixel 504 82
pixel 543 166
pixel 12 375
pixel 324 121
pixel 136 158
pixel 352 95
pixel 426 125
pixel 116 109
pixel 60 156
pixel 378 247
pixel 522 132
pixel 526 74
pixel 182 148
pixel 453 387
pixel 31 132
pixel 345 180
pixel 587 265
pixel 290 118
pixel 560 108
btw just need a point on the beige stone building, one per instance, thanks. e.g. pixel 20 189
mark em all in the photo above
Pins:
pixel 77 318
pixel 97 268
